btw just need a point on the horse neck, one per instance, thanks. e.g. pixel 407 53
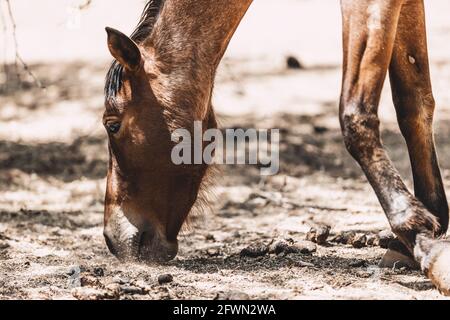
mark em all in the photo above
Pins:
pixel 188 40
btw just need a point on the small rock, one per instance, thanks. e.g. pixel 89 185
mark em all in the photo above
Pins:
pixel 74 274
pixel 143 285
pixel 285 247
pixel 304 264
pixel 165 278
pixel 256 203
pixel 306 247
pixel 89 281
pixel 359 241
pixel 255 251
pixel 74 270
pixel 279 247
pixel 293 63
pixel 358 264
pixel 213 252
pixel 343 238
pixel 210 237
pixel 99 272
pixel 236 234
pixel 87 293
pixel 385 238
pixel 320 129
pixel 120 280
pixel 56 232
pixel 4 245
pixel 232 295
pixel 113 289
pixel 372 240
pixel 365 273
pixel 132 290
pixel 4 237
pixel 318 235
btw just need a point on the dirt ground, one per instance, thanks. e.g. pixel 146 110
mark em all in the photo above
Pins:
pixel 53 159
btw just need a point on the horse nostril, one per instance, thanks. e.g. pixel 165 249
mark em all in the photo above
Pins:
pixel 109 244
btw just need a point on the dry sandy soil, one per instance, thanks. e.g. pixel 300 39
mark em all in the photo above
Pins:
pixel 53 159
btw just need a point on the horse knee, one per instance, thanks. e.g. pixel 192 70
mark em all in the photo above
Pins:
pixel 360 129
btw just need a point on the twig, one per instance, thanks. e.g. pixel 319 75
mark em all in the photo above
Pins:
pixel 316 207
pixel 18 57
pixel 295 204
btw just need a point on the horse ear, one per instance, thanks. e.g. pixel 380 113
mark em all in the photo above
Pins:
pixel 123 49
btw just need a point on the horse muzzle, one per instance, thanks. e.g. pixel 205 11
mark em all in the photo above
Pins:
pixel 141 243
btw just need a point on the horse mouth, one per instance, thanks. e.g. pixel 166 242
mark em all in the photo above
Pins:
pixel 152 248
pixel 130 243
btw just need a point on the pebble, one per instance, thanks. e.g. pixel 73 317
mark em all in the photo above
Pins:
pixel 358 264
pixel 236 234
pixel 142 284
pixel 113 289
pixel 372 240
pixel 256 203
pixel 74 270
pixel 285 247
pixel 86 293
pixel 132 290
pixel 385 238
pixel 293 63
pixel 165 278
pixel 99 272
pixel 213 252
pixel 359 241
pixel 306 247
pixel 318 235
pixel 320 129
pixel 74 274
pixel 120 280
pixel 255 251
pixel 90 281
pixel 304 264
pixel 279 247
pixel 343 238
pixel 4 245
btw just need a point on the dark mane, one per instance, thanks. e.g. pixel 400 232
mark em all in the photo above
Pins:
pixel 142 31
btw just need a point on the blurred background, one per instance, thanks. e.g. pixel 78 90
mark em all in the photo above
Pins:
pixel 282 70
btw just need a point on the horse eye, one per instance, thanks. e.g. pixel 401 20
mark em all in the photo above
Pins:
pixel 113 127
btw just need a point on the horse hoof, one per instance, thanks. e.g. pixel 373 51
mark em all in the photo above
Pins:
pixel 397 256
pixel 439 271
pixel 395 259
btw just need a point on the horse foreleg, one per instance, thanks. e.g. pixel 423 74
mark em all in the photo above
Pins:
pixel 414 102
pixel 369 33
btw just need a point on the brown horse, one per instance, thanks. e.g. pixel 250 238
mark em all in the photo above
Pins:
pixel 163 78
